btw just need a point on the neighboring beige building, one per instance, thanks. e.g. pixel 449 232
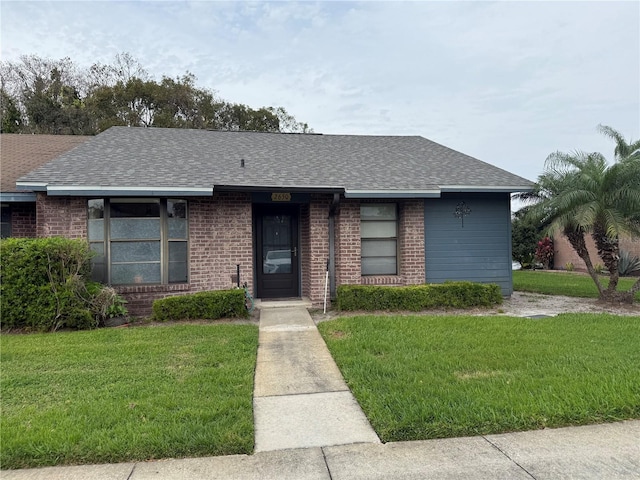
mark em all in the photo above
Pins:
pixel 19 155
pixel 565 253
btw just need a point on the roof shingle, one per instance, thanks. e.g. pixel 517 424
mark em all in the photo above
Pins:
pixel 181 158
pixel 20 154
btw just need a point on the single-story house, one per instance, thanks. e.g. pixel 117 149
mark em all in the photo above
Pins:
pixel 171 211
pixel 20 154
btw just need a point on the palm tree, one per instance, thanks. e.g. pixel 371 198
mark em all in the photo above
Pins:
pixel 579 193
pixel 623 149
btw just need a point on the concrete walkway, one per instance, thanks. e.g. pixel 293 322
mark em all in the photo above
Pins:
pixel 595 452
pixel 300 398
pixel 309 426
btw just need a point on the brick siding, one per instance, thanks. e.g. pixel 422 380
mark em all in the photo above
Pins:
pixel 411 240
pixel 319 246
pixel 23 220
pixel 61 217
pixel 221 236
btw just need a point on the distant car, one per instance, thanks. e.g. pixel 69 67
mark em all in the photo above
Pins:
pixel 277 261
pixel 515 265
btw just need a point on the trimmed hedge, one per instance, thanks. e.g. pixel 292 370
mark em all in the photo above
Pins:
pixel 417 297
pixel 41 283
pixel 201 305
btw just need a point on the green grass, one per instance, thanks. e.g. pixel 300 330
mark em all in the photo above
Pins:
pixel 420 377
pixel 114 395
pixel 570 284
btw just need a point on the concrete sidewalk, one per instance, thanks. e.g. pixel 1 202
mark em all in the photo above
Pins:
pixel 309 426
pixel 595 452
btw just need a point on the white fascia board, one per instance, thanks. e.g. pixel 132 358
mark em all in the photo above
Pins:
pixel 486 188
pixel 32 186
pixel 431 193
pixel 85 190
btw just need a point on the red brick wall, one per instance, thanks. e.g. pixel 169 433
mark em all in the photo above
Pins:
pixel 220 237
pixel 411 240
pixel 61 217
pixel 23 220
pixel 319 241
pixel 347 242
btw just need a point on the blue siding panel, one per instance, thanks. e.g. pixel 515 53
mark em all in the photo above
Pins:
pixel 479 251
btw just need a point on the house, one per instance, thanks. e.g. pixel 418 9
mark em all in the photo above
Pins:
pixel 171 211
pixel 565 254
pixel 19 154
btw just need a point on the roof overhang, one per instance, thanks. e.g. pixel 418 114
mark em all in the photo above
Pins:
pixel 430 193
pixel 485 188
pixel 273 188
pixel 18 197
pixel 164 191
pixel 109 191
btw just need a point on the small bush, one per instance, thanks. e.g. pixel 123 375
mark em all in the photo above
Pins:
pixel 628 264
pixel 569 267
pixel 599 269
pixel 42 283
pixel 544 252
pixel 417 297
pixel 202 305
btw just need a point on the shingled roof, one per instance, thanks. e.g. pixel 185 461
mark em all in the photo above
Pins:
pixel 162 161
pixel 20 154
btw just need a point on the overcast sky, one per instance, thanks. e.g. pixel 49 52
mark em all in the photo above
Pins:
pixel 505 82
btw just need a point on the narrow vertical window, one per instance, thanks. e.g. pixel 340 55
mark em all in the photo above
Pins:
pixel 177 228
pixel 96 232
pixel 379 237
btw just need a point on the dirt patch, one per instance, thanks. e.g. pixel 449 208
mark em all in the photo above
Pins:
pixel 520 304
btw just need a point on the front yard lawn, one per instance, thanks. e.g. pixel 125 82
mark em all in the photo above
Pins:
pixel 420 377
pixel 115 395
pixel 570 284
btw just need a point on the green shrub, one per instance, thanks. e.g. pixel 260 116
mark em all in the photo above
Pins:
pixel 42 283
pixel 628 264
pixel 417 297
pixel 202 305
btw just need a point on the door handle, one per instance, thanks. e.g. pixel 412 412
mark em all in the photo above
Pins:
pixel 294 250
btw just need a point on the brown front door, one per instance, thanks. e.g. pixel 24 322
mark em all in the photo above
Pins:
pixel 277 251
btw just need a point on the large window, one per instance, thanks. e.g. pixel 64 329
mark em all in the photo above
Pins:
pixel 379 235
pixel 138 241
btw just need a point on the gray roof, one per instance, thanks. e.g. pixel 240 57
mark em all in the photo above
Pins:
pixel 156 161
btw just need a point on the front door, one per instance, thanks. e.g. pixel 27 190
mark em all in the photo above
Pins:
pixel 277 251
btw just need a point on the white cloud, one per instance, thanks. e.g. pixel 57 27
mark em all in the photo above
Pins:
pixel 507 82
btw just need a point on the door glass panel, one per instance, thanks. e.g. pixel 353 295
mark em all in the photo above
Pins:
pixel 276 244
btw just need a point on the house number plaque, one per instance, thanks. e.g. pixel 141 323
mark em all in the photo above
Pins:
pixel 280 197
